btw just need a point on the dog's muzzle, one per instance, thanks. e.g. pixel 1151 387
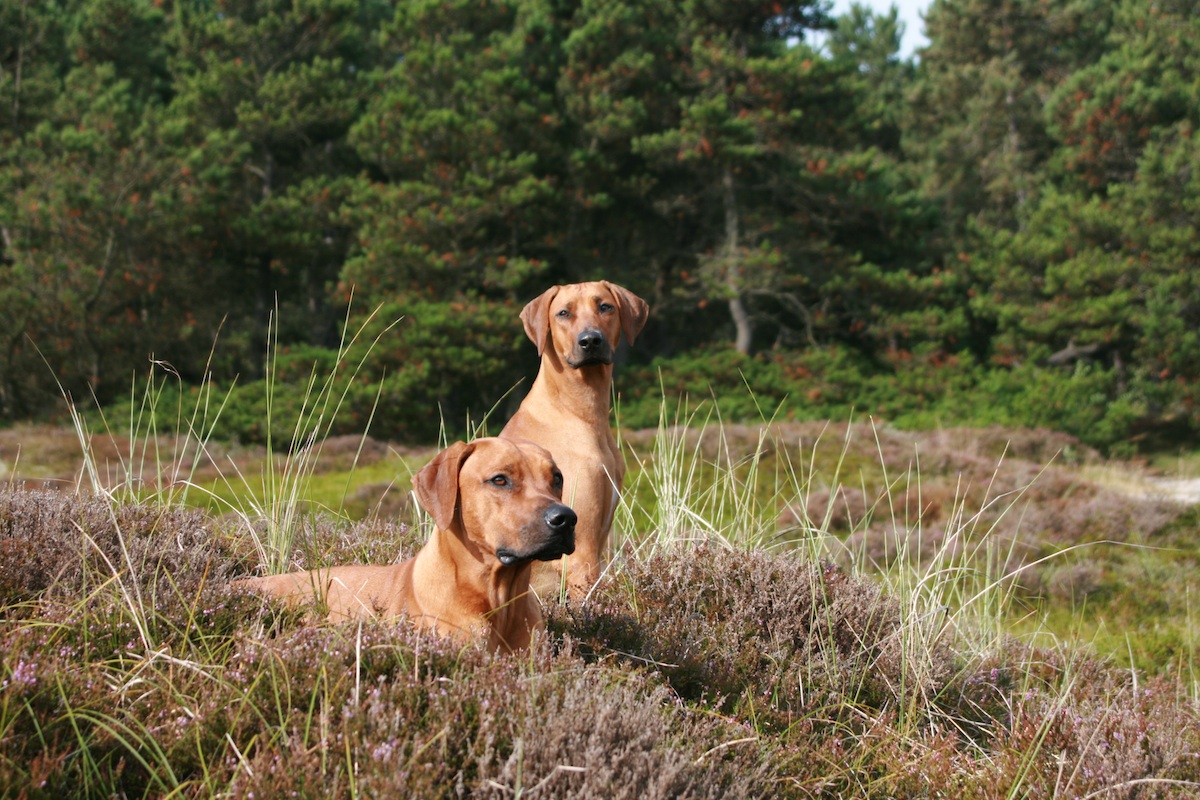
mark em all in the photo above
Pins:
pixel 591 347
pixel 558 538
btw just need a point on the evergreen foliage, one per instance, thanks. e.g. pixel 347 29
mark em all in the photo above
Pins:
pixel 1014 207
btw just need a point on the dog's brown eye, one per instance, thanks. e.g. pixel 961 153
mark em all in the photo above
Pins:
pixel 564 313
pixel 606 307
pixel 498 480
pixel 557 481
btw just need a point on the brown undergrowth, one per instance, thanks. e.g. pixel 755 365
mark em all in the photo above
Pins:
pixel 128 668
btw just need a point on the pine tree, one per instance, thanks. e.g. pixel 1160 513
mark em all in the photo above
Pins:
pixel 1106 113
pixel 871 42
pixel 265 93
pixel 716 129
pixel 460 131
pixel 1101 267
pixel 83 271
pixel 977 126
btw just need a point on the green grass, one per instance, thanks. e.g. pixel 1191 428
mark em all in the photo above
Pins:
pixel 1135 604
pixel 328 491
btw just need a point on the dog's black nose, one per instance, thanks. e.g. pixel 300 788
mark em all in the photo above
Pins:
pixel 560 519
pixel 590 341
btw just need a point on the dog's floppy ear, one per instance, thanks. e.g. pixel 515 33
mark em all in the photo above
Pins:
pixel 634 311
pixel 536 316
pixel 436 484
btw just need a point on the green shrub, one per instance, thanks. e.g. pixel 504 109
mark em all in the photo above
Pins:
pixel 920 390
pixel 442 366
pixel 445 362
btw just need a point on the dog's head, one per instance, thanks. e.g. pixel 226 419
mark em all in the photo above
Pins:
pixel 583 322
pixel 504 496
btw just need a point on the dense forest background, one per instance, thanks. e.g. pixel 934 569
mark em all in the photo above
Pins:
pixel 1002 230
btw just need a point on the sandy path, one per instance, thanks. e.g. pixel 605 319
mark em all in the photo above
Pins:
pixel 1186 490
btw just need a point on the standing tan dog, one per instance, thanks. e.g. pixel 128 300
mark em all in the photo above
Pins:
pixel 497 507
pixel 576 329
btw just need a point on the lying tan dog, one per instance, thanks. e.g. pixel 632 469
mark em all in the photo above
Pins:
pixel 576 329
pixel 497 507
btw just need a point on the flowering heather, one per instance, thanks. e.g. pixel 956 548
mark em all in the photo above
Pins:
pixel 129 668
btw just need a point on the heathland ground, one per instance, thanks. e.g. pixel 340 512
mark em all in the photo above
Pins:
pixel 793 610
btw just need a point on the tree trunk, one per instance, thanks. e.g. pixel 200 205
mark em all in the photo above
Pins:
pixel 741 322
pixel 737 306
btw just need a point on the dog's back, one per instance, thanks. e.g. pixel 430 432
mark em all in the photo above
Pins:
pixel 355 591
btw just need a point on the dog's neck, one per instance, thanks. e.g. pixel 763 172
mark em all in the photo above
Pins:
pixel 584 391
pixel 495 594
pixel 509 592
